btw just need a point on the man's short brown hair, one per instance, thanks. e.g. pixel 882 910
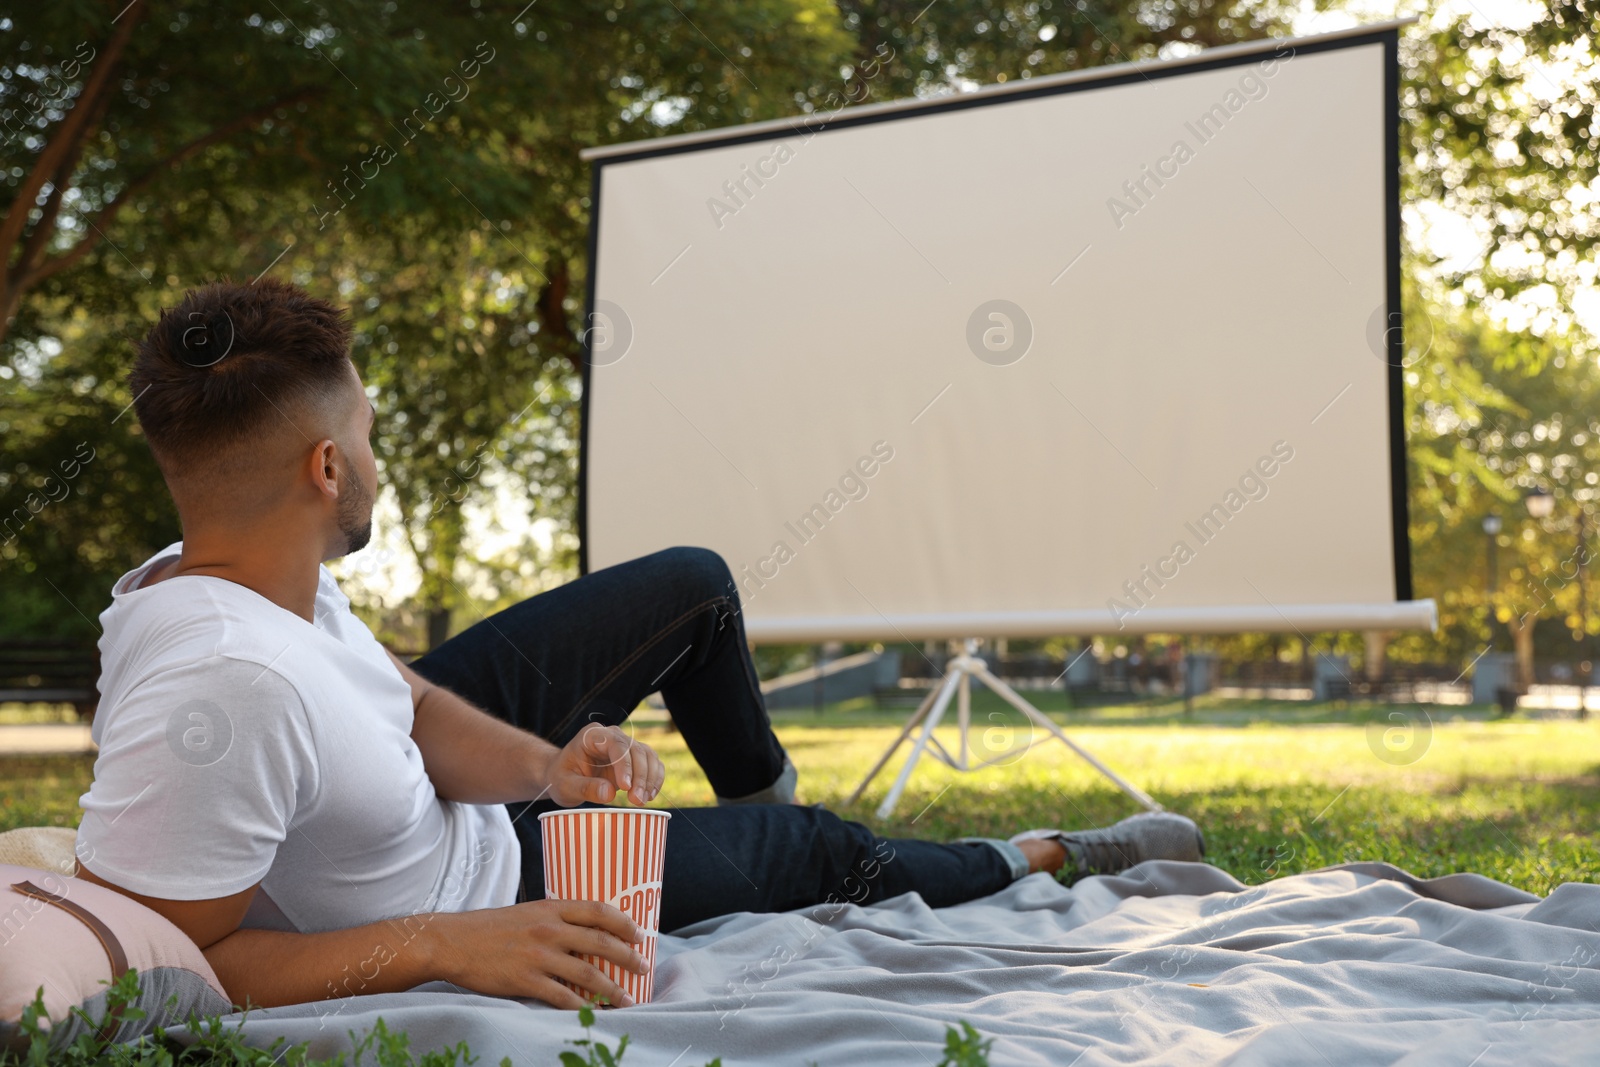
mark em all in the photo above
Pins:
pixel 230 360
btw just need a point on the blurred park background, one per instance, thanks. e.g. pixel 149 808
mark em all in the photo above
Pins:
pixel 419 162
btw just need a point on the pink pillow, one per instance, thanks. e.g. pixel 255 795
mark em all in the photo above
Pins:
pixel 73 937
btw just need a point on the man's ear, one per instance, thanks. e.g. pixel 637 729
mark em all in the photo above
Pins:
pixel 326 473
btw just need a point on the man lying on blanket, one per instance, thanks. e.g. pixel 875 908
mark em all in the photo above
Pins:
pixel 277 784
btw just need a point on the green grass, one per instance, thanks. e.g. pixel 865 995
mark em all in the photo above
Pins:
pixel 1277 788
pixel 216 1045
pixel 42 790
pixel 19 713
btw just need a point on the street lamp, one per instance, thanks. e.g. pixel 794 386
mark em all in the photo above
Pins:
pixel 1491 530
pixel 1541 502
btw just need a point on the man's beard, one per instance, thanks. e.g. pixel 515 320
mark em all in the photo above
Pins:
pixel 355 516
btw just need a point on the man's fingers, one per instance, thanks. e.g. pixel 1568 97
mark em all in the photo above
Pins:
pixel 606 744
pixel 625 764
pixel 554 994
pixel 610 748
pixel 641 791
pixel 586 941
pixel 598 790
pixel 658 775
pixel 601 917
pixel 586 975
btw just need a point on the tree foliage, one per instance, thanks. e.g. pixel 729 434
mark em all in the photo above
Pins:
pixel 419 162
pixel 1503 388
pixel 1496 415
pixel 1503 131
pixel 944 46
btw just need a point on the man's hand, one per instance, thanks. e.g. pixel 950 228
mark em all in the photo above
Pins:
pixel 601 761
pixel 475 758
pixel 517 951
pixel 520 951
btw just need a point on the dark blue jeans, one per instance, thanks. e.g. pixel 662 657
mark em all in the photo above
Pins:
pixel 591 650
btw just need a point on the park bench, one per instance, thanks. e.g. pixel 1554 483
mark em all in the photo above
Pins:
pixel 50 671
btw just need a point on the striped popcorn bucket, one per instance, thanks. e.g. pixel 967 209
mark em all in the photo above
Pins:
pixel 614 856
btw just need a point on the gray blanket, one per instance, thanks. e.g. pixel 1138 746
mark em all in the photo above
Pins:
pixel 1169 963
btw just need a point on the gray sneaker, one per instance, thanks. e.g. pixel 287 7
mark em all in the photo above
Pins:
pixel 1150 835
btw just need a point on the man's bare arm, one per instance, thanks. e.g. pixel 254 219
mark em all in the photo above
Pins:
pixel 473 757
pixel 470 755
pixel 515 951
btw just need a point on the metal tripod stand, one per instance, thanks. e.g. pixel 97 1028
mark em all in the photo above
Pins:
pixel 957 682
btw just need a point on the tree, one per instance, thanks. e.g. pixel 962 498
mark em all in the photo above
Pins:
pixel 945 46
pixel 466 391
pixel 1502 130
pixel 1497 413
pixel 195 97
pixel 421 161
pixel 345 144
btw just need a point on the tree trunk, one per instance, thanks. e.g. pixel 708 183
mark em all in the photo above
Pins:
pixel 59 155
pixel 438 626
pixel 1522 642
pixel 554 326
pixel 1377 648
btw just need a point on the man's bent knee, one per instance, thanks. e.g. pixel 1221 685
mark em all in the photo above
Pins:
pixel 701 571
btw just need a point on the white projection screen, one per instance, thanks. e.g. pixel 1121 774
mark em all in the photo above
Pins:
pixel 1113 351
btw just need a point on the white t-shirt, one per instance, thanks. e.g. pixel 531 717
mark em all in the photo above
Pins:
pixel 240 743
